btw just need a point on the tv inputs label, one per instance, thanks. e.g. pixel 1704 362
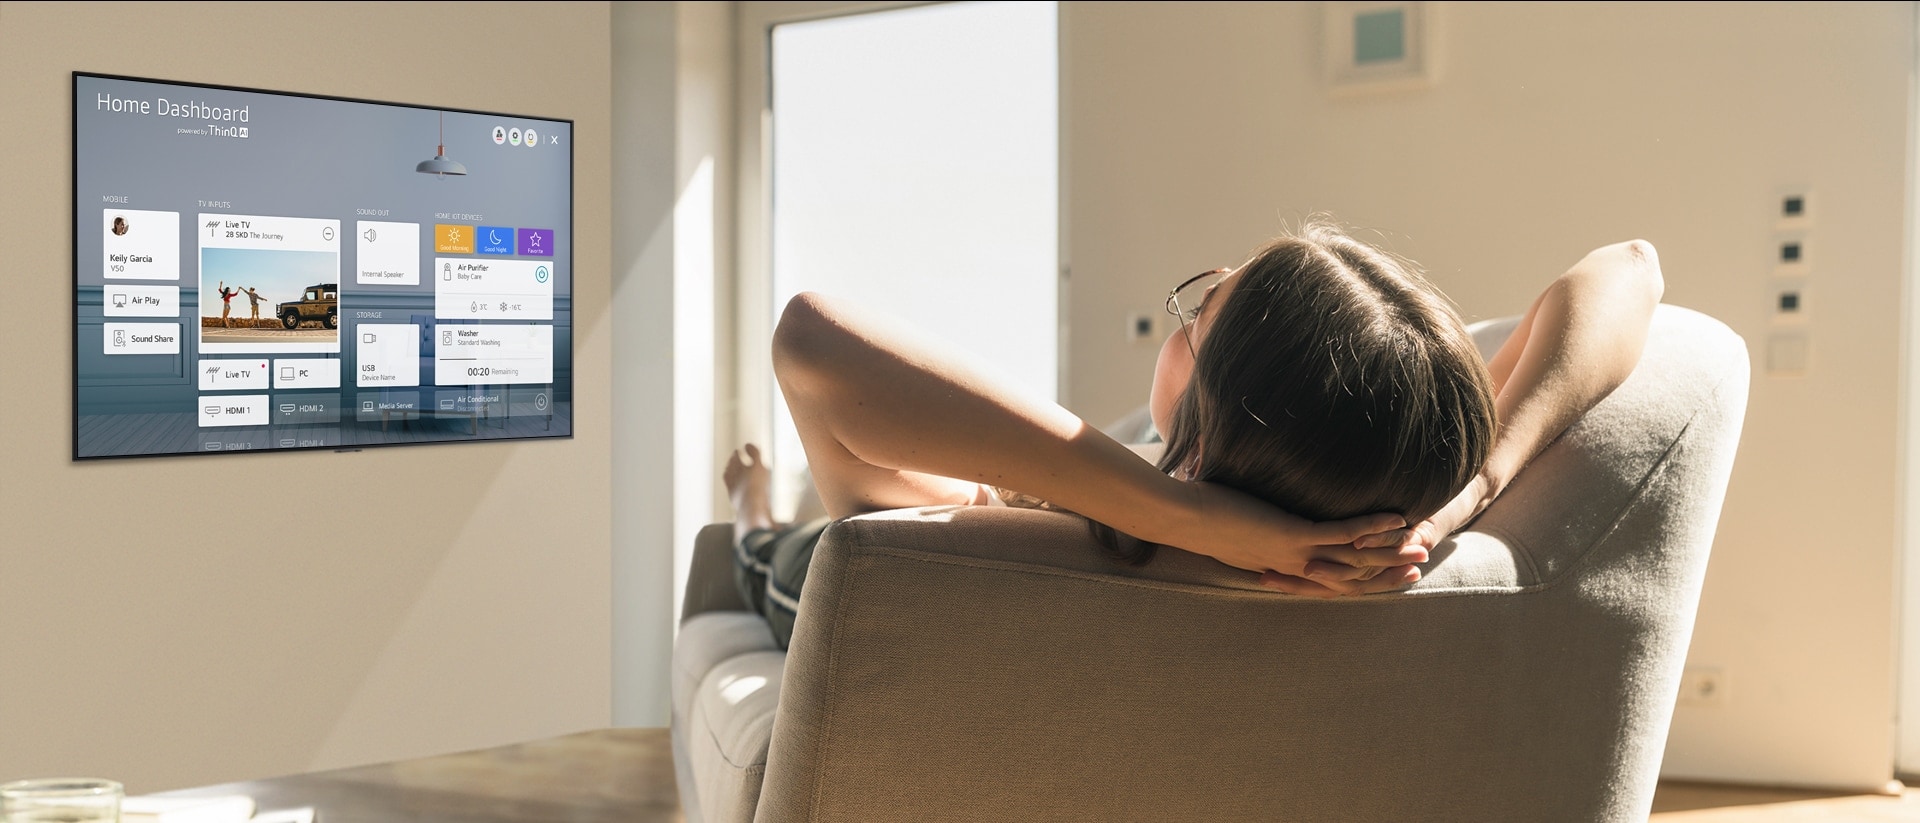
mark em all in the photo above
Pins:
pixel 140 338
pixel 126 300
pixel 306 373
pixel 477 355
pixel 389 253
pixel 141 245
pixel 471 289
pixel 233 375
pixel 388 354
pixel 233 410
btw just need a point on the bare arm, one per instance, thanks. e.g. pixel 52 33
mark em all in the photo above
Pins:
pixel 891 414
pixel 1576 344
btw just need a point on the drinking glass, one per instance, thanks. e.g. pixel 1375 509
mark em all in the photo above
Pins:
pixel 60 800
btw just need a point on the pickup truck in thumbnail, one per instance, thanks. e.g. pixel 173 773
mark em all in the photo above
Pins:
pixel 319 303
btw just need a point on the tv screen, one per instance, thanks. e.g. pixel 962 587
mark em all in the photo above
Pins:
pixel 259 270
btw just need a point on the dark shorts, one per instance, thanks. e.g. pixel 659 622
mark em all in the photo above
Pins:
pixel 769 569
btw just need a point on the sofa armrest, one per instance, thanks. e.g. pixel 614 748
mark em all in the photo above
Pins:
pixel 710 577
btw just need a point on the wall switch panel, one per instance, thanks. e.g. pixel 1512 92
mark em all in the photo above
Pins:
pixel 1792 254
pixel 1793 208
pixel 1790 301
pixel 1789 354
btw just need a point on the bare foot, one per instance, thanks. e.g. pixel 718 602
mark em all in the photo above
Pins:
pixel 749 486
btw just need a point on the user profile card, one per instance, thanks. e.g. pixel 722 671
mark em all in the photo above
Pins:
pixel 141 245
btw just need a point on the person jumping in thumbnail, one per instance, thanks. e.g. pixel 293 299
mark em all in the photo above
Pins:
pixel 226 305
pixel 255 297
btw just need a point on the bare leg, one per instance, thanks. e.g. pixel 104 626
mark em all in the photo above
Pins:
pixel 748 480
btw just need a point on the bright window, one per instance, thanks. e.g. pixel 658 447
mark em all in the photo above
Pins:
pixel 915 169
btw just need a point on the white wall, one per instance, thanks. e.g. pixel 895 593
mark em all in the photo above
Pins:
pixel 1908 761
pixel 1194 130
pixel 470 609
pixel 643 179
pixel 703 272
pixel 672 249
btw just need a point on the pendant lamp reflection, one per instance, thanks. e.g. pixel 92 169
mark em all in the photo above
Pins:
pixel 441 165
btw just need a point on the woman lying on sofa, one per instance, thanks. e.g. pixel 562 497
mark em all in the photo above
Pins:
pixel 1327 418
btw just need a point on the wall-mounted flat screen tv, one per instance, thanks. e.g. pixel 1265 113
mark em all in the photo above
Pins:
pixel 258 270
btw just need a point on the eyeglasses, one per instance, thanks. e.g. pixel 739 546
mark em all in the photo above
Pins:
pixel 1187 298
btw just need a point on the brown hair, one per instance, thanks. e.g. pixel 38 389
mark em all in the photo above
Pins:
pixel 1334 381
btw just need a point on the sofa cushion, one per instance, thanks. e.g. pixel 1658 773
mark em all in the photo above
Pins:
pixel 728 731
pixel 705 641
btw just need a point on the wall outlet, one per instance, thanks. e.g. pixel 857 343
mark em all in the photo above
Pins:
pixel 1703 686
pixel 1150 327
pixel 1140 327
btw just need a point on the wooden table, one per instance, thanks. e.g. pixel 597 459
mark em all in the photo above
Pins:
pixel 623 775
pixel 626 775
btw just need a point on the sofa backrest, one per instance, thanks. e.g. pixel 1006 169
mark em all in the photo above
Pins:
pixel 973 663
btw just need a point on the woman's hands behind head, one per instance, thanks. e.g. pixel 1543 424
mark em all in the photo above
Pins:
pixel 1360 555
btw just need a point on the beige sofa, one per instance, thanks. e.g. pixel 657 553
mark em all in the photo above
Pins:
pixel 988 664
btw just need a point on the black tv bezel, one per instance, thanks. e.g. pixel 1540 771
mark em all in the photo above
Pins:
pixel 73 211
